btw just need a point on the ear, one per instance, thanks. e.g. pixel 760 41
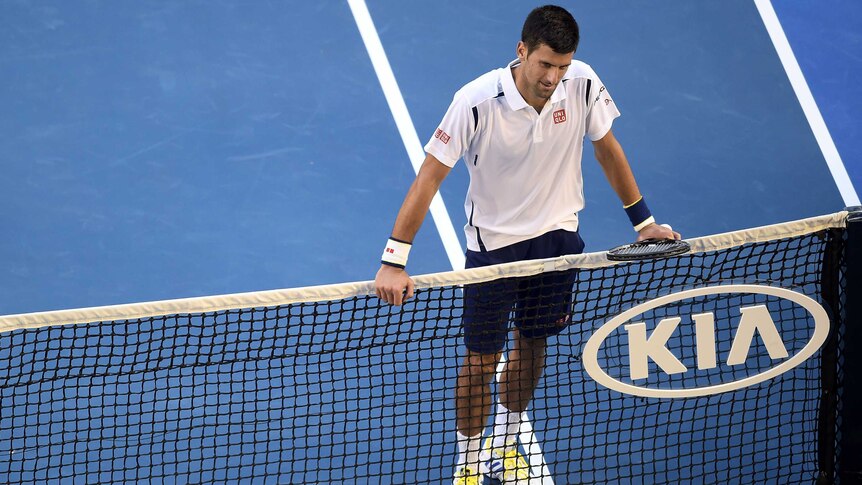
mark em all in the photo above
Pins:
pixel 521 50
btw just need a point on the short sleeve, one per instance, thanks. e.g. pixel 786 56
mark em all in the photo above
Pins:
pixel 452 137
pixel 602 113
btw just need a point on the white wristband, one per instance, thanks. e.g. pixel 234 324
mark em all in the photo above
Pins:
pixel 649 220
pixel 395 253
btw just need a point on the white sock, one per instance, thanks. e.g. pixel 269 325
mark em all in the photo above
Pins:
pixel 507 426
pixel 468 450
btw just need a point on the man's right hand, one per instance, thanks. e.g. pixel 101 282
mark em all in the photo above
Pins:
pixel 391 283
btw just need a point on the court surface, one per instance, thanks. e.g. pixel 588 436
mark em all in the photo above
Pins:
pixel 147 156
pixel 176 149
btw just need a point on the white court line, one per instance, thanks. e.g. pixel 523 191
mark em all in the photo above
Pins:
pixel 806 100
pixel 405 126
pixel 438 210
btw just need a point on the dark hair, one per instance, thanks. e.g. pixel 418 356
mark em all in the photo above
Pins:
pixel 553 26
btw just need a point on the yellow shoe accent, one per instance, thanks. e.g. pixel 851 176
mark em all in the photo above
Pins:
pixel 506 464
pixel 466 475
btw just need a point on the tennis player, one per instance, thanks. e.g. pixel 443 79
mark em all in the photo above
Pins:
pixel 520 129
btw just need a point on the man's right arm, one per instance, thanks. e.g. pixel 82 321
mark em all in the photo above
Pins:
pixel 391 282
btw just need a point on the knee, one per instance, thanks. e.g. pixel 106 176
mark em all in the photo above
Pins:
pixel 532 344
pixel 478 364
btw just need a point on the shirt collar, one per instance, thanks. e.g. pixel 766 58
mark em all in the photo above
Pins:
pixel 513 96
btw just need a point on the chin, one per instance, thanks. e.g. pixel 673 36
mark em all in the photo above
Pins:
pixel 545 93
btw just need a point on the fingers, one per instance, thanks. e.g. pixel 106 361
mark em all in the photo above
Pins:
pixel 673 234
pixel 392 284
pixel 410 288
pixel 397 296
pixel 378 289
pixel 389 294
pixel 658 231
pixel 383 292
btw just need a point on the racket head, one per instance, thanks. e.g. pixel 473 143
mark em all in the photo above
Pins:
pixel 649 249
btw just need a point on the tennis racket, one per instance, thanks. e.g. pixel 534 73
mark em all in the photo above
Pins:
pixel 649 249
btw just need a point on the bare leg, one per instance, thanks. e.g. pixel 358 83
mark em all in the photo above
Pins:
pixel 522 372
pixel 473 393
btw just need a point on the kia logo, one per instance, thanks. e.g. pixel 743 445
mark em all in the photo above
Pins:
pixel 750 320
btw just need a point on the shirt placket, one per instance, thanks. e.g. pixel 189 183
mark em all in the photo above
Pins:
pixel 536 118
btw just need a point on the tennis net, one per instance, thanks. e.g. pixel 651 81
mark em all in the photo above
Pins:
pixel 723 365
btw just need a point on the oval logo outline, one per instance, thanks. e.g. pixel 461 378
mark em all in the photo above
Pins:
pixel 594 370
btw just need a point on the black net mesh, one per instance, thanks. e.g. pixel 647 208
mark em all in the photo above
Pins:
pixel 354 391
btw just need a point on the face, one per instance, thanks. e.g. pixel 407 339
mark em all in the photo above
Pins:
pixel 541 70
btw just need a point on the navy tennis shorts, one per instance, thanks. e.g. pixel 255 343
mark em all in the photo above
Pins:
pixel 541 305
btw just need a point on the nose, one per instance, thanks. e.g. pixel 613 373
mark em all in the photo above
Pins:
pixel 552 76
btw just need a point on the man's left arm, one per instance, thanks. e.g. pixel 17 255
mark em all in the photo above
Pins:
pixel 613 160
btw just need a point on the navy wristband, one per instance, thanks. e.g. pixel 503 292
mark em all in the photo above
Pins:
pixel 639 214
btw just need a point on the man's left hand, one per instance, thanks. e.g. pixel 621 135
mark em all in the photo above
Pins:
pixel 657 231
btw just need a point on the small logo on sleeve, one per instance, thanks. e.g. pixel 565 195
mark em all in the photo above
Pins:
pixel 442 136
pixel 559 116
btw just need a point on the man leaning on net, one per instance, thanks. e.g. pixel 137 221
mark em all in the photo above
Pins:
pixel 520 129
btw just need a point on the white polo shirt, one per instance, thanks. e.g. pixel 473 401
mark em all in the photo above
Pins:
pixel 525 167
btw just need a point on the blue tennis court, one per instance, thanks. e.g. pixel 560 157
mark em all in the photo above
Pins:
pixel 160 150
pixel 168 150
